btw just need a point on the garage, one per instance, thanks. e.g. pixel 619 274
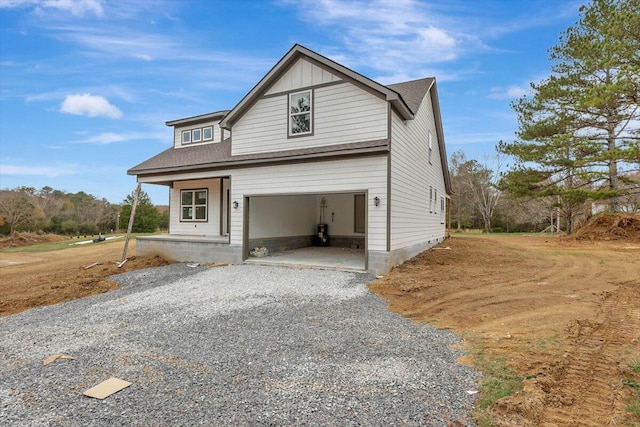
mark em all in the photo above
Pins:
pixel 325 230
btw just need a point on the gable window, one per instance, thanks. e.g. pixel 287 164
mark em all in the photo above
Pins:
pixel 193 205
pixel 430 148
pixel 186 136
pixel 207 133
pixel 196 135
pixel 300 112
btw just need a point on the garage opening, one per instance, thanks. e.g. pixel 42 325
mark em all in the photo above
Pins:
pixel 320 230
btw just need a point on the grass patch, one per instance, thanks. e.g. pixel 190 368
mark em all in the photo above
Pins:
pixel 633 381
pixel 69 244
pixel 498 381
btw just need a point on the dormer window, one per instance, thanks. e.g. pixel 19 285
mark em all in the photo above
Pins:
pixel 207 133
pixel 186 136
pixel 300 113
pixel 196 135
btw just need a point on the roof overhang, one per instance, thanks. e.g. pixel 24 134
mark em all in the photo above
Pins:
pixel 198 119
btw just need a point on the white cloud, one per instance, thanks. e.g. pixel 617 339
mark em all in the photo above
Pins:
pixel 89 105
pixel 106 138
pixel 511 92
pixel 36 170
pixel 75 7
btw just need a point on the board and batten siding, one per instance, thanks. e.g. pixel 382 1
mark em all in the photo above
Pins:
pixel 356 175
pixel 412 175
pixel 218 134
pixel 209 228
pixel 302 74
pixel 342 113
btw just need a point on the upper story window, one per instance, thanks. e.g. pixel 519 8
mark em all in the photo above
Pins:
pixel 186 136
pixel 207 133
pixel 300 113
pixel 193 205
pixel 197 135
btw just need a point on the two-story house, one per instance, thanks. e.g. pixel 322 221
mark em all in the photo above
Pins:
pixel 314 154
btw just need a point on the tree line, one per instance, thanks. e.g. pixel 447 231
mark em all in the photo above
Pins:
pixel 579 132
pixel 54 211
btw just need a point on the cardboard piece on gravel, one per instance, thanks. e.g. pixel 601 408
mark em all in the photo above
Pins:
pixel 107 388
pixel 55 357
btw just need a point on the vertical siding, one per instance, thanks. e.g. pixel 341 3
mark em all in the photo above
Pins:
pixel 209 228
pixel 342 113
pixel 302 74
pixel 412 177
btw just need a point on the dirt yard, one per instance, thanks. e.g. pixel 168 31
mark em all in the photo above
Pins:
pixel 33 279
pixel 564 314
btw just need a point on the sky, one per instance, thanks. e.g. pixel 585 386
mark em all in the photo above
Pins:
pixel 86 86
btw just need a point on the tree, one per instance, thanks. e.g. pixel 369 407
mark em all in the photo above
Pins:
pixel 147 216
pixel 16 207
pixel 475 186
pixel 578 130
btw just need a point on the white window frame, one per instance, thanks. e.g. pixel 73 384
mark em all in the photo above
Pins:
pixel 193 135
pixel 442 209
pixel 291 114
pixel 435 200
pixel 205 129
pixel 430 198
pixel 430 148
pixel 194 206
pixel 186 140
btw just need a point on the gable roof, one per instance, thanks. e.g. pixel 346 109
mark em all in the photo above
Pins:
pixel 298 51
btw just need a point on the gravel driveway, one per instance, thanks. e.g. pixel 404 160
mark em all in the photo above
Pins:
pixel 237 345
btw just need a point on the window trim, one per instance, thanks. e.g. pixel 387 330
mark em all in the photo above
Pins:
pixel 187 140
pixel 210 129
pixel 194 205
pixel 193 135
pixel 430 148
pixel 290 114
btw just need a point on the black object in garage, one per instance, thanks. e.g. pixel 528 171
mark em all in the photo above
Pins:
pixel 321 238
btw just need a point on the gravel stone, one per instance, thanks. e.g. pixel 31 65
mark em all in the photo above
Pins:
pixel 242 345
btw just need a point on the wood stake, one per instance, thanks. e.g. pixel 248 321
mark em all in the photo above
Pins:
pixel 131 217
pixel 91 265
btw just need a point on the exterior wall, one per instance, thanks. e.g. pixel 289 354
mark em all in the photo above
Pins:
pixel 218 134
pixel 342 113
pixel 357 175
pixel 209 228
pixel 413 221
pixel 188 250
pixel 302 74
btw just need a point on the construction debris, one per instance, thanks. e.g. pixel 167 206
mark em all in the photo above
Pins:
pixel 107 388
pixel 55 357
pixel 92 265
pixel 120 264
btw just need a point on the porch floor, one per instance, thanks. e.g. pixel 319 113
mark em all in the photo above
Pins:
pixel 321 257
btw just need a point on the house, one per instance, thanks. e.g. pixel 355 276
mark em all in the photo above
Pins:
pixel 314 155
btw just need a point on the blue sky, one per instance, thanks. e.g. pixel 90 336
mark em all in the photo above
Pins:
pixel 87 85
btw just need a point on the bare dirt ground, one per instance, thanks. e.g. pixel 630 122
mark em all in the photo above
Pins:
pixel 33 279
pixel 563 313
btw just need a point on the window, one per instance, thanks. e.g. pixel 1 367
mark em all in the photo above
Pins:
pixel 430 199
pixel 430 148
pixel 186 136
pixel 193 205
pixel 435 201
pixel 207 134
pixel 300 111
pixel 196 135
pixel 441 210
